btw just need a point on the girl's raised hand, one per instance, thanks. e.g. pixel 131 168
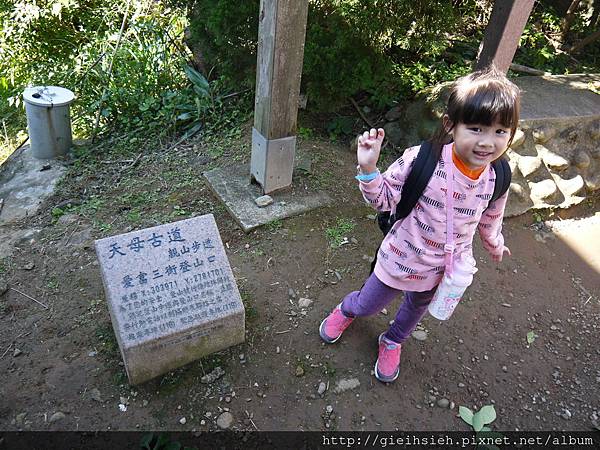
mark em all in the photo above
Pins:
pixel 369 146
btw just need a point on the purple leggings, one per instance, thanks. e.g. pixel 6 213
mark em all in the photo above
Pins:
pixel 374 296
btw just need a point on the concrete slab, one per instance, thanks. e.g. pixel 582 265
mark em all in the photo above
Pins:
pixel 559 96
pixel 582 236
pixel 232 186
pixel 25 182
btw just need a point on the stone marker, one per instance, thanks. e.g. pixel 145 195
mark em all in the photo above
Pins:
pixel 171 295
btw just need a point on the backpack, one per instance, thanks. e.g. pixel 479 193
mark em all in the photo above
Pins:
pixel 420 173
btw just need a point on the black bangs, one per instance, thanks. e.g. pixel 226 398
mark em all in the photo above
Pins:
pixel 485 102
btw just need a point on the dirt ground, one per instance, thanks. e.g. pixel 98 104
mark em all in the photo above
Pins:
pixel 62 370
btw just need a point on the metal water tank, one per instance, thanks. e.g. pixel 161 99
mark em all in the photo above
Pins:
pixel 48 120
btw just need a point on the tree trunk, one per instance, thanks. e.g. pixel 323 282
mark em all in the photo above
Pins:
pixel 568 19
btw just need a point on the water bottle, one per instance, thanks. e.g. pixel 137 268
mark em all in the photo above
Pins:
pixel 452 288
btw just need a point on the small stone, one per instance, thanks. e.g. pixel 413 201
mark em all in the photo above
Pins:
pixel 322 388
pixel 543 134
pixel 247 246
pixel 183 421
pixel 144 403
pixel 291 293
pixel 504 369
pixel 299 371
pixel 305 302
pixel 263 201
pixel 419 335
pixel 203 422
pixel 566 414
pixel 56 417
pixel 443 402
pixel 20 418
pixel 29 266
pixel 452 405
pixel 95 395
pixel 384 312
pixel 17 352
pixel 354 240
pixel 371 217
pixel 3 287
pixel 213 376
pixel 346 384
pixel 225 420
pixel 461 385
pixel 329 409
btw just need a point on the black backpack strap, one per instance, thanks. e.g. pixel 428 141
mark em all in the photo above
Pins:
pixel 418 178
pixel 503 178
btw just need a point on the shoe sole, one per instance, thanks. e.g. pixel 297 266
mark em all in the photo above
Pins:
pixel 383 378
pixel 326 338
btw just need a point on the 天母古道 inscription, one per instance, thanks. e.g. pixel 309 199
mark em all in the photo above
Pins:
pixel 171 295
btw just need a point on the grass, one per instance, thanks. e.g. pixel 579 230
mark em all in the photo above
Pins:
pixel 337 233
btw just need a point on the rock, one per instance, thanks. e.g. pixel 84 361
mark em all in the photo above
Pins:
pixel 419 335
pixel 216 373
pixel 393 114
pixel 566 414
pixel 29 266
pixel 305 302
pixel 81 239
pixel 3 286
pixel 299 371
pixel 543 134
pixel 95 395
pixel 322 388
pixel 543 189
pixel 461 385
pixel 329 409
pixel 183 421
pixel 291 293
pixel 263 201
pixel 593 182
pixel 529 164
pixel 346 384
pixel 518 139
pixel 225 420
pixel 551 159
pixel 394 132
pixel 67 203
pixel 17 352
pixel 571 186
pixel 582 159
pixel 56 417
pixel 443 402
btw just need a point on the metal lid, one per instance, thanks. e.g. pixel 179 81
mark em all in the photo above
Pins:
pixel 48 96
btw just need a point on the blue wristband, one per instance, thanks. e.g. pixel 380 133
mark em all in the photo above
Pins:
pixel 367 176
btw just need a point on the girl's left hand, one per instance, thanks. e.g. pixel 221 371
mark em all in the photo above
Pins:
pixel 498 258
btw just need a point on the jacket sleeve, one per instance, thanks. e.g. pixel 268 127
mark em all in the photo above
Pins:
pixel 490 226
pixel 383 192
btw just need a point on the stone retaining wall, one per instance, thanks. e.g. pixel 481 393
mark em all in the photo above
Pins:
pixel 555 156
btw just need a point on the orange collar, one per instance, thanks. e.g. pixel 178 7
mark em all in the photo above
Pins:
pixel 472 174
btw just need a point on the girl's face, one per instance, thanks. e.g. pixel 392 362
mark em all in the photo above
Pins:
pixel 478 145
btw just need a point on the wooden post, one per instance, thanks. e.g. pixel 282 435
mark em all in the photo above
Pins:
pixel 503 32
pixel 281 34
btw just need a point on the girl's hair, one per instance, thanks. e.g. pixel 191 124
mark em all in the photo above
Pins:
pixel 482 97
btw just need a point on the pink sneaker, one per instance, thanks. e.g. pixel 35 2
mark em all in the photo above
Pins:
pixel 333 326
pixel 387 366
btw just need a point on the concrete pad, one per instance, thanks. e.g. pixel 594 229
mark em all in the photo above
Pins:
pixel 582 236
pixel 559 96
pixel 25 182
pixel 232 186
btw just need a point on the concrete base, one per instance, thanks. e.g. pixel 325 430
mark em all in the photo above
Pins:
pixel 232 186
pixel 24 182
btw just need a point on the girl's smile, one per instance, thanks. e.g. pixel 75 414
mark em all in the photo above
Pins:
pixel 477 145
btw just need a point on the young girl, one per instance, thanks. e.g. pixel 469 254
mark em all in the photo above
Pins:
pixel 479 124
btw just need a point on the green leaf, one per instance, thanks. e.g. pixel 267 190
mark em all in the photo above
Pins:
pixel 196 78
pixel 466 414
pixel 531 337
pixel 146 440
pixel 487 413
